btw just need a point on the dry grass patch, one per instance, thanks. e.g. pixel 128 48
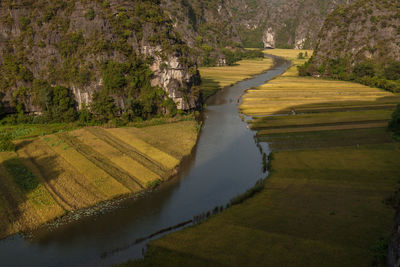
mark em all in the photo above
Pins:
pixel 175 139
pixel 150 151
pixel 301 94
pixel 64 181
pixel 126 163
pixel 215 78
pixel 97 177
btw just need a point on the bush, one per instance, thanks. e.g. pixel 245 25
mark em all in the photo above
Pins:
pixel 25 179
pixel 392 72
pixel 394 124
pixel 6 143
pixel 90 15
pixel 364 70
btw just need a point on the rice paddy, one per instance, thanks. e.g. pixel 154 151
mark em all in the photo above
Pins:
pixel 333 167
pixel 51 175
pixel 216 78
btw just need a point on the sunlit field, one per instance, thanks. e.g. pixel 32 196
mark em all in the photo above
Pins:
pixel 53 174
pixel 216 78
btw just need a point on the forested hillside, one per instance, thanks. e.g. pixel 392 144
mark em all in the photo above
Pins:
pixel 360 42
pixel 58 55
pixel 134 59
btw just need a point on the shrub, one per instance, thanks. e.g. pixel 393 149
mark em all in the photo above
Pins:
pixel 22 176
pixel 392 72
pixel 5 142
pixel 364 70
pixel 394 124
pixel 90 15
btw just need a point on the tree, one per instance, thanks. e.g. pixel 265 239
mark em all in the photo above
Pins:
pixel 63 106
pixel 392 72
pixel 364 70
pixel 103 107
pixel 394 124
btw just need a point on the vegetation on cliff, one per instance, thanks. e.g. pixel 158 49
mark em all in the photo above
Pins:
pixel 360 42
pixel 58 56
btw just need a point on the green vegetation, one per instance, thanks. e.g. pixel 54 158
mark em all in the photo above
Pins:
pixel 324 201
pixel 82 58
pixel 6 143
pixel 383 76
pixel 25 179
pixel 360 54
pixel 394 124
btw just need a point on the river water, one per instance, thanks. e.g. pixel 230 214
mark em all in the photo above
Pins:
pixel 225 163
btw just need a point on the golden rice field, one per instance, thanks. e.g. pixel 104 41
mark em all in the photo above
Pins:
pixel 290 93
pixel 52 174
pixel 216 78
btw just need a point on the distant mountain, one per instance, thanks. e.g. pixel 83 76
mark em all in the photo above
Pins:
pixel 251 23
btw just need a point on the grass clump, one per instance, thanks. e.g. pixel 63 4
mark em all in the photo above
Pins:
pixel 154 184
pixel 25 179
pixel 6 143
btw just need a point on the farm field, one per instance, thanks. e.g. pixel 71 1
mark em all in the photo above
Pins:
pixel 325 203
pixel 216 78
pixel 53 174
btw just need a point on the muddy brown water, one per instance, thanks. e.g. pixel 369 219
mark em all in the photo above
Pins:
pixel 225 163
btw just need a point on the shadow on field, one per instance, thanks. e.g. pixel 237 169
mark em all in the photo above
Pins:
pixel 13 195
pixel 383 103
pixel 327 124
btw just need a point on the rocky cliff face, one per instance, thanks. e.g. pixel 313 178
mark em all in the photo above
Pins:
pixel 363 31
pixel 282 23
pixel 249 23
pixel 67 43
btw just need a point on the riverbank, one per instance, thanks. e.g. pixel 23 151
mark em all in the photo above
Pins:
pixel 334 165
pixel 56 174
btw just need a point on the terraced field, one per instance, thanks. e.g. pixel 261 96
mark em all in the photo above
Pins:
pixel 333 168
pixel 50 175
pixel 216 78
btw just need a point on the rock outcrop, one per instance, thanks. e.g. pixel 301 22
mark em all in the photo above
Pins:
pixel 269 39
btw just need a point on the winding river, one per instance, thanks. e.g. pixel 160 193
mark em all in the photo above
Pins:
pixel 225 163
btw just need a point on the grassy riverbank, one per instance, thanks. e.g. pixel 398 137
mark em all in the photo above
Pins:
pixel 50 175
pixel 324 201
pixel 216 78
